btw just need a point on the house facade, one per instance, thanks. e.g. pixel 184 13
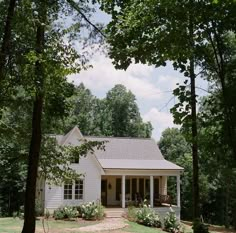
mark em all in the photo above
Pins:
pixel 129 171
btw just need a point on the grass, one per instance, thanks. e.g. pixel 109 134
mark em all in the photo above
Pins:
pixel 135 227
pixel 11 225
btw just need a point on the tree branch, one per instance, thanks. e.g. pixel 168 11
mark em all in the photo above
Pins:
pixel 75 6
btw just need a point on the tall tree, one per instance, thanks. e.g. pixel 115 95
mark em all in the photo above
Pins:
pixel 36 137
pixel 167 32
pixel 115 115
pixel 84 112
pixel 123 115
pixel 173 30
pixel 6 38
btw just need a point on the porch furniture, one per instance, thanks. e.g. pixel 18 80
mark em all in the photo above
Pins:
pixel 159 199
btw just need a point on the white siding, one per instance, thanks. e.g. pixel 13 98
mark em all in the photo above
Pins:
pixel 89 166
pixel 54 195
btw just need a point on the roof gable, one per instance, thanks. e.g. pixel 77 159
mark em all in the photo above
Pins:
pixel 72 137
pixel 128 148
pixel 122 152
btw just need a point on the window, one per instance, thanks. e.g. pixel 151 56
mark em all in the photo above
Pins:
pixel 118 189
pixel 127 186
pixel 68 191
pixel 74 190
pixel 79 186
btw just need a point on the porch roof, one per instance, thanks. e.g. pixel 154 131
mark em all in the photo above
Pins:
pixel 160 164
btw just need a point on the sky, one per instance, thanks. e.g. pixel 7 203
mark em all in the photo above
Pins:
pixel 152 86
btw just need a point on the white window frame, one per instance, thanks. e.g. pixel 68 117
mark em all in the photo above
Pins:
pixel 79 187
pixel 68 191
pixel 74 188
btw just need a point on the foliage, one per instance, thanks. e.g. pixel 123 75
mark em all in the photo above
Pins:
pixel 39 209
pixel 190 34
pixel 55 160
pixel 58 214
pixel 147 216
pixel 200 227
pixel 171 224
pixel 115 115
pixel 66 212
pixel 47 214
pixel 92 210
pixel 132 214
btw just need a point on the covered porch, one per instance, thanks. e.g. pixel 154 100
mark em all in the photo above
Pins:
pixel 121 188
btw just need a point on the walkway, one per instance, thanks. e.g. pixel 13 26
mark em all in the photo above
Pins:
pixel 106 225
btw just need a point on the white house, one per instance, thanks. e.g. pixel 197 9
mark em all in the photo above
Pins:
pixel 129 170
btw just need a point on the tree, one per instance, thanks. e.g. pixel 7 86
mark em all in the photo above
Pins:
pixel 123 115
pixel 6 38
pixel 115 115
pixel 173 144
pixel 83 112
pixel 166 33
pixel 176 31
pixel 175 148
pixel 34 64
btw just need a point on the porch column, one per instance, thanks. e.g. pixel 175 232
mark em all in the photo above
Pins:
pixel 123 191
pixel 151 191
pixel 178 190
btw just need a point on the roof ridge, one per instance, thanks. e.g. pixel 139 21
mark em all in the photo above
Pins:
pixel 118 137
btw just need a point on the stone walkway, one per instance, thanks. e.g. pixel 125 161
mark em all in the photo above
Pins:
pixel 106 225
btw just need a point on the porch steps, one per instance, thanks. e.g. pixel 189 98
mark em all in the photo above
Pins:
pixel 114 212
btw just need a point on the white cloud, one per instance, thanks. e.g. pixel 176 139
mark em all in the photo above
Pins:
pixel 151 86
pixel 103 76
pixel 160 121
pixel 169 81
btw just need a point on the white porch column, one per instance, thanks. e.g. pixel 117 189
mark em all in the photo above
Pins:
pixel 178 190
pixel 151 191
pixel 123 191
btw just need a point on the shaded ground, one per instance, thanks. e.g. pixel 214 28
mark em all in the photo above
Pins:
pixel 112 225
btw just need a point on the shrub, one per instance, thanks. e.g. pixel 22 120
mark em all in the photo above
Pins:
pixel 59 214
pixel 15 214
pixel 171 224
pixel 38 208
pixel 200 227
pixel 147 216
pixel 70 212
pixel 92 211
pixel 66 212
pixel 131 215
pixel 21 212
pixel 100 211
pixel 47 214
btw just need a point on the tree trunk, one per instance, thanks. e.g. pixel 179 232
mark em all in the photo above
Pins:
pixel 34 153
pixel 6 37
pixel 217 43
pixel 196 209
pixel 29 211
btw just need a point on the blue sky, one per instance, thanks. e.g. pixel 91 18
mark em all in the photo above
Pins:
pixel 152 86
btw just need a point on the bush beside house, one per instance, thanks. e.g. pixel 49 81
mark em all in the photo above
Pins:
pixel 88 211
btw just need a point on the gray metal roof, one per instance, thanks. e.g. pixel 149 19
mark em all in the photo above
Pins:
pixel 126 153
pixel 138 164
pixel 131 153
pixel 128 148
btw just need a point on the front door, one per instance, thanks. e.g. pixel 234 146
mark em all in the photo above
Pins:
pixel 104 192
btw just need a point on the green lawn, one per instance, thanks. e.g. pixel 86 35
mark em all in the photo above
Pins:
pixel 134 227
pixel 10 225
